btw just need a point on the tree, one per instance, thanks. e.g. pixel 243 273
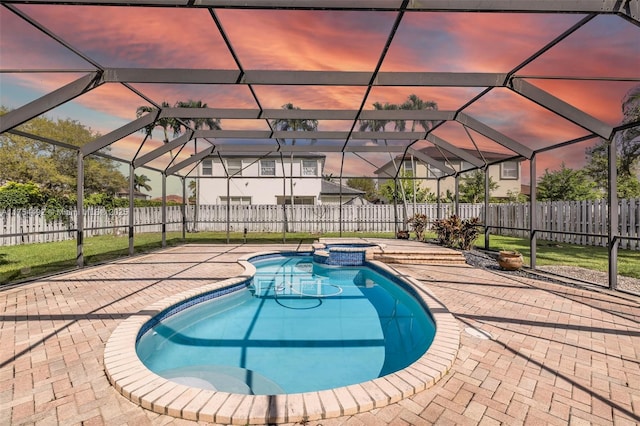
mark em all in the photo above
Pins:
pixel 405 189
pixel 140 181
pixel 472 187
pixel 628 156
pixel 52 167
pixel 165 123
pixel 364 184
pixel 566 184
pixel 293 124
pixel 14 195
pixel 415 103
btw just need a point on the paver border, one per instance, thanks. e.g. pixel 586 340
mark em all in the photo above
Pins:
pixel 131 378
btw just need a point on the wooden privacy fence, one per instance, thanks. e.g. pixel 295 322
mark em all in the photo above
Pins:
pixel 576 222
pixel 585 222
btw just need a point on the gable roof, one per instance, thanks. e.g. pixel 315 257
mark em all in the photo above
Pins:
pixel 437 154
pixel 332 188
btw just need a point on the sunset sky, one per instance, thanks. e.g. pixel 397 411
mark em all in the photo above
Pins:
pixel 607 46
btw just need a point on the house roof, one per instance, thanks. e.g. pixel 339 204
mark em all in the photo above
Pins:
pixel 332 188
pixel 442 155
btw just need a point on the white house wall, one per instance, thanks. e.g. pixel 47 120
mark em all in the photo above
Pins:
pixel 505 186
pixel 260 190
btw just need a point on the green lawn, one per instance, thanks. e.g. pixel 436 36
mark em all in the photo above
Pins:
pixel 33 260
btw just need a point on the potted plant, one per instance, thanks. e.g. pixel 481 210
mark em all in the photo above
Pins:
pixel 402 235
pixel 510 260
pixel 418 222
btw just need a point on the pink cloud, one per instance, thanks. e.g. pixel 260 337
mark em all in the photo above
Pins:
pixel 142 37
pixel 305 40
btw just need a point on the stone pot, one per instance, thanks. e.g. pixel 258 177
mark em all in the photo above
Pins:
pixel 510 260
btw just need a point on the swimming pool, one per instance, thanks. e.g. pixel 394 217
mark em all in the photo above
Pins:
pixel 133 380
pixel 299 327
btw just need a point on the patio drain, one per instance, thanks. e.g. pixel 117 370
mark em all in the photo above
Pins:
pixel 476 332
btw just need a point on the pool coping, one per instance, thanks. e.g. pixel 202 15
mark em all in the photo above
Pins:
pixel 131 378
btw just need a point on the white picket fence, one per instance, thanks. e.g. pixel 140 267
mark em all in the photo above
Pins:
pixel 574 217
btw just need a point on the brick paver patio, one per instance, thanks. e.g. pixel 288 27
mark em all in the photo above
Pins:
pixel 531 352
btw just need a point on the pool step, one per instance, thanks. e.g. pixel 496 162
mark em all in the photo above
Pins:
pixel 427 257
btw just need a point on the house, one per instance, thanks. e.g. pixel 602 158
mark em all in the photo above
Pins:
pixel 137 195
pixel 267 180
pixel 506 174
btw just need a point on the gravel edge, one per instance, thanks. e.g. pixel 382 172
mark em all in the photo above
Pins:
pixel 487 260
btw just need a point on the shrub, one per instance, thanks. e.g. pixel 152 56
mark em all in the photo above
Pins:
pixel 454 232
pixel 418 222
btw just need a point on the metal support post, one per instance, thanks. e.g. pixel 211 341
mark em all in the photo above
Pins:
pixel 131 206
pixel 80 212
pixel 164 210
pixel 457 189
pixel 486 208
pixel 613 237
pixel 533 220
pixel 184 208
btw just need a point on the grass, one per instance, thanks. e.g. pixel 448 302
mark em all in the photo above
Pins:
pixel 34 260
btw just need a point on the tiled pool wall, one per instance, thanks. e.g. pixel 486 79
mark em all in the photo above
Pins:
pixel 214 294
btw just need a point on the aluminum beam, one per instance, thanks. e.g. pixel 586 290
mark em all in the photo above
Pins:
pixel 49 101
pixel 454 150
pixel 193 159
pixel 311 78
pixel 260 149
pixel 494 135
pixel 431 161
pixel 628 7
pixel 561 108
pixel 210 113
pixel 306 114
pixel 439 79
pixel 116 135
pixel 171 76
pixel 152 155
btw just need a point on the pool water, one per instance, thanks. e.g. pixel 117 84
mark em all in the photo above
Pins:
pixel 299 327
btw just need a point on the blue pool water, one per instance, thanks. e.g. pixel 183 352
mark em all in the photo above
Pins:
pixel 299 327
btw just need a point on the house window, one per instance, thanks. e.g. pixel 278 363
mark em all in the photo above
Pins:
pixel 433 172
pixel 244 201
pixel 234 167
pixel 267 167
pixel 309 168
pixel 407 165
pixel 465 165
pixel 207 167
pixel 509 170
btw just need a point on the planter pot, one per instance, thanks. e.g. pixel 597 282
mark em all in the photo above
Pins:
pixel 510 260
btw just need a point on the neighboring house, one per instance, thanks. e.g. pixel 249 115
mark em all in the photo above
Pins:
pixel 506 174
pixel 331 192
pixel 255 180
pixel 137 195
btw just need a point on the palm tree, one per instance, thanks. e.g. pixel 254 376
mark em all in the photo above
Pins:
pixel 415 103
pixel 379 125
pixel 165 123
pixel 195 124
pixel 140 181
pixel 293 124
